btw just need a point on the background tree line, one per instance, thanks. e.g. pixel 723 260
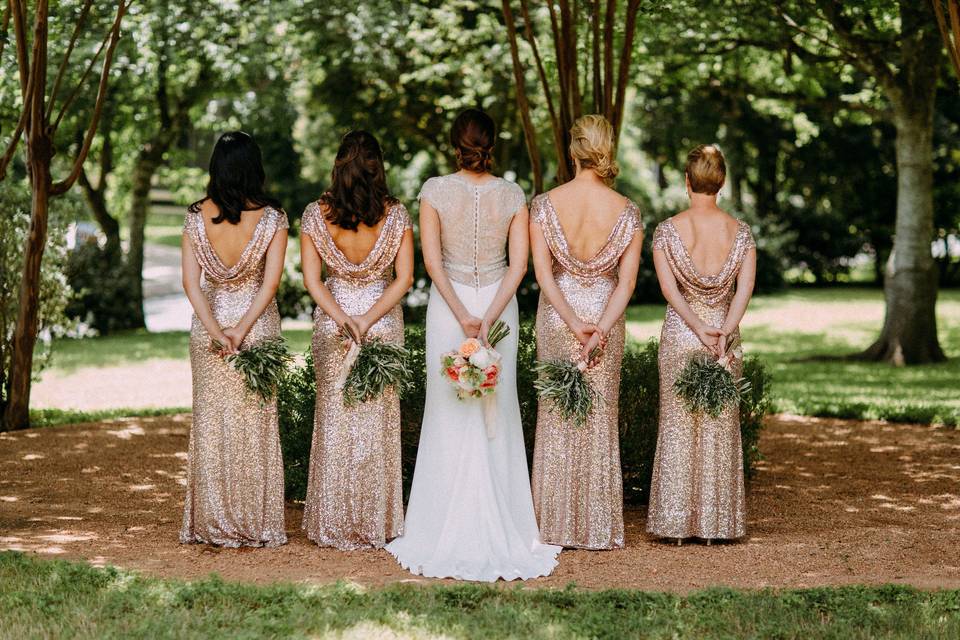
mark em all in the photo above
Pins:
pixel 840 122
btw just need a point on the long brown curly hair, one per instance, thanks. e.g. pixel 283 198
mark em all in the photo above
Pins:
pixel 358 191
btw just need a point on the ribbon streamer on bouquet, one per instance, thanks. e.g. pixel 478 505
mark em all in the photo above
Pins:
pixel 348 361
pixel 490 414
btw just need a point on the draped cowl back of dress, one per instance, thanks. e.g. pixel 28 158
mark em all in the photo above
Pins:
pixel 234 468
pixel 354 491
pixel 697 488
pixel 577 481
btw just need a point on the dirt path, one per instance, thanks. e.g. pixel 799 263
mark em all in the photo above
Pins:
pixel 836 502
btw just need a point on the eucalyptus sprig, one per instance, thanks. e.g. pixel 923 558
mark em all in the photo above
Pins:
pixel 378 365
pixel 565 385
pixel 262 365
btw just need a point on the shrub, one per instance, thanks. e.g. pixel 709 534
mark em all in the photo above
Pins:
pixel 54 290
pixel 293 299
pixel 101 285
pixel 639 413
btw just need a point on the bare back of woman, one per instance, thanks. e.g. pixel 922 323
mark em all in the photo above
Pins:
pixel 588 212
pixel 229 241
pixel 708 234
pixel 356 244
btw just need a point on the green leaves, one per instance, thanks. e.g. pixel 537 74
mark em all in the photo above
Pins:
pixel 262 366
pixel 706 387
pixel 379 365
pixel 564 385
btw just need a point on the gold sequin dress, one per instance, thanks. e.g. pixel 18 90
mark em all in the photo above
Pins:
pixel 697 488
pixel 354 493
pixel 577 482
pixel 234 469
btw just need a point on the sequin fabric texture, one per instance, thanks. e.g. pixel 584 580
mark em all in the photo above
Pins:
pixel 577 482
pixel 697 488
pixel 476 223
pixel 354 494
pixel 234 468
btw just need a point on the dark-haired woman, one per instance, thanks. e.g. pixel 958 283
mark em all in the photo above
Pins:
pixel 470 514
pixel 364 237
pixel 235 238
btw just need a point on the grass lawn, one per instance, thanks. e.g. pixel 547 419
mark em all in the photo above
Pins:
pixel 785 330
pixel 51 598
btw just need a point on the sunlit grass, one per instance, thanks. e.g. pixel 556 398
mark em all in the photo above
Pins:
pixel 54 417
pixel 137 346
pixel 44 598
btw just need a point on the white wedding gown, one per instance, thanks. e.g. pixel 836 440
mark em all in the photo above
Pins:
pixel 470 514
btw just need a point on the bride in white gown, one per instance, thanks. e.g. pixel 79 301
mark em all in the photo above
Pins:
pixel 470 514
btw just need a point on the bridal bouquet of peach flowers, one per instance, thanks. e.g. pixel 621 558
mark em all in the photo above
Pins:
pixel 474 369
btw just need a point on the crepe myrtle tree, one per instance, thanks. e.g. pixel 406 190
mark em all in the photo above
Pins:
pixel 598 83
pixel 44 105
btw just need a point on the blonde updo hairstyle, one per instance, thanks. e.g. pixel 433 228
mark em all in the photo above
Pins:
pixel 591 144
pixel 706 169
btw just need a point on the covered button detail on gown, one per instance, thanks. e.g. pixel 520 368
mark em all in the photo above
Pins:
pixel 697 488
pixel 354 492
pixel 234 468
pixel 577 481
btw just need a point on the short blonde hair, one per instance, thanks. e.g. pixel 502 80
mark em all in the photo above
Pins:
pixel 706 169
pixel 591 144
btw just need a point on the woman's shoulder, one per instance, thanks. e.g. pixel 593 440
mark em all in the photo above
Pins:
pixel 314 217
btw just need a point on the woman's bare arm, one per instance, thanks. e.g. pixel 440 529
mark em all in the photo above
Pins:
pixel 201 306
pixel 518 246
pixel 272 272
pixel 433 261
pixel 617 303
pixel 543 268
pixel 393 294
pixel 708 335
pixel 312 266
pixel 738 306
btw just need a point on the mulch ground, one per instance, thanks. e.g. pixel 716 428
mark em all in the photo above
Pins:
pixel 835 502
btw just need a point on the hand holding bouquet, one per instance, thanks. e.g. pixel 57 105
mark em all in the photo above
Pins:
pixel 706 384
pixel 262 366
pixel 474 369
pixel 564 384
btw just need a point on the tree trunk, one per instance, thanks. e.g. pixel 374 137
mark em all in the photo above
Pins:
pixel 16 414
pixel 147 164
pixel 97 202
pixel 909 334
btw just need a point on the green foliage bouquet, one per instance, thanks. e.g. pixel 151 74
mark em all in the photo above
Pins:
pixel 262 366
pixel 706 384
pixel 378 365
pixel 565 385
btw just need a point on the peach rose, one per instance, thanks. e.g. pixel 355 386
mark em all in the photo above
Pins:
pixel 469 347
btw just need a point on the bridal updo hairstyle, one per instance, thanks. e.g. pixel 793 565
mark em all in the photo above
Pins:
pixel 236 179
pixel 472 137
pixel 591 144
pixel 358 191
pixel 706 169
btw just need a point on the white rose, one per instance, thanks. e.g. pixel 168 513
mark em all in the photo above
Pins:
pixel 483 358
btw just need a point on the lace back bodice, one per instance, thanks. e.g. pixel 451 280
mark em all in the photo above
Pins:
pixel 379 262
pixel 696 287
pixel 474 225
pixel 251 263
pixel 606 260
